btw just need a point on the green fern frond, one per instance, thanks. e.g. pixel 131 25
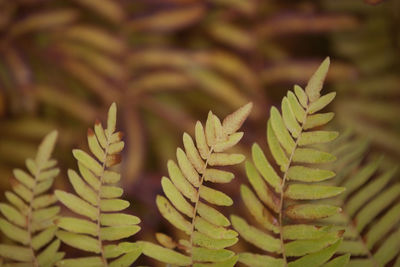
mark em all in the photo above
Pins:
pixel 98 201
pixel 371 208
pixel 185 205
pixel 285 203
pixel 28 217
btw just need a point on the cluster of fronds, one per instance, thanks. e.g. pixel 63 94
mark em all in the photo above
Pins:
pixel 98 200
pixel 285 203
pixel 187 202
pixel 28 219
pixel 369 104
pixel 371 208
pixel 73 58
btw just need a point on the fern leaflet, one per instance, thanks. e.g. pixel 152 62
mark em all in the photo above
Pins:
pixel 98 201
pixel 185 205
pixel 284 204
pixel 371 208
pixel 28 219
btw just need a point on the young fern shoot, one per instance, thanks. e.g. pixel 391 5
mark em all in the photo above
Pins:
pixel 187 204
pixel 28 219
pixel 371 208
pixel 285 203
pixel 98 201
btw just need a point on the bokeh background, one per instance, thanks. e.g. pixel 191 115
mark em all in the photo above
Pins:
pixel 167 62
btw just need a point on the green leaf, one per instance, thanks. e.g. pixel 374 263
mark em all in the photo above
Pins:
pixel 113 251
pixel 43 238
pixel 297 109
pixel 203 240
pixel 111 177
pixel 193 154
pixel 214 196
pixel 48 254
pixel 306 174
pixel 309 192
pixel 118 232
pixel 89 162
pixel 91 179
pixel 75 225
pixel 389 249
pixel 164 255
pixel 308 155
pixel 234 121
pixel 76 204
pixel 224 159
pixel 211 255
pixel 201 140
pixel 340 261
pixel 218 176
pixel 233 139
pixel 176 197
pixel 257 260
pixel 111 119
pixel 321 103
pixel 126 260
pixel 111 191
pixel 16 253
pixel 255 236
pixel 317 258
pixel 94 146
pixel 289 118
pixel 44 201
pixel 45 149
pixel 180 181
pixel 212 215
pixel 13 215
pixel 318 120
pixel 303 231
pixel 79 241
pixel 113 204
pixel 172 215
pixel 316 81
pixel 265 168
pixel 317 137
pixel 302 247
pixel 24 178
pixel 212 230
pixel 262 190
pixel 276 149
pixel 257 210
pixel 187 168
pixel 13 232
pixel 280 131
pixel 81 188
pixel 115 219
pixel 311 211
pixel 301 95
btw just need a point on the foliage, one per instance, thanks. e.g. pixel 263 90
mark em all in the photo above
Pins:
pixel 370 205
pixel 205 227
pixel 289 200
pixel 28 219
pixel 98 200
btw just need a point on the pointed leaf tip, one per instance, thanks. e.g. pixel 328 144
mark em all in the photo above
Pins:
pixel 234 121
pixel 316 81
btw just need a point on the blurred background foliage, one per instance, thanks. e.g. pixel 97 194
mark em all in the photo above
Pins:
pixel 167 62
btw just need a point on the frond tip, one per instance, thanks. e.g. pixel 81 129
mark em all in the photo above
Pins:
pixel 284 201
pixel 28 219
pixel 188 202
pixel 98 202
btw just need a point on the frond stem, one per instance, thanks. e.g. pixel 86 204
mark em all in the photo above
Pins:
pixel 283 185
pixel 198 200
pixel 103 258
pixel 35 262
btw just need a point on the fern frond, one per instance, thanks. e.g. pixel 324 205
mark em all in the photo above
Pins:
pixel 28 217
pixel 371 209
pixel 97 200
pixel 188 202
pixel 284 202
